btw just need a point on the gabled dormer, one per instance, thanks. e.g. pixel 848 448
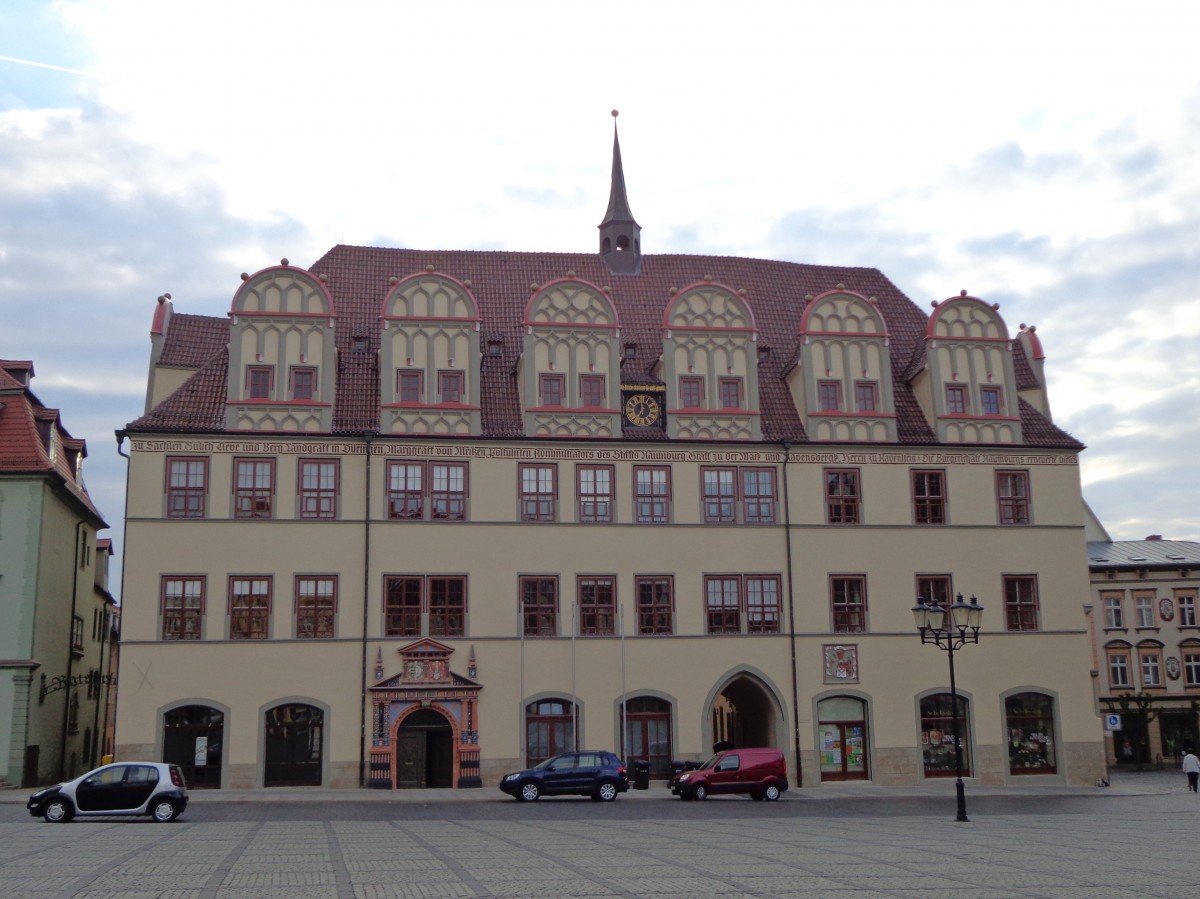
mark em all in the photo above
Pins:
pixel 710 364
pixel 620 235
pixel 842 385
pixel 969 387
pixel 429 357
pixel 282 359
pixel 571 366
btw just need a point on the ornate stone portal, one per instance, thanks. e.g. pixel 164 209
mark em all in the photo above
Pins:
pixel 424 722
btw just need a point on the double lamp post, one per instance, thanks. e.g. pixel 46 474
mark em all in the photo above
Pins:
pixel 951 632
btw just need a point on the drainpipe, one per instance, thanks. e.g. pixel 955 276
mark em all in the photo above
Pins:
pixel 787 531
pixel 362 723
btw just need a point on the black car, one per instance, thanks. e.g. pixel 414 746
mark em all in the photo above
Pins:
pixel 594 773
pixel 125 788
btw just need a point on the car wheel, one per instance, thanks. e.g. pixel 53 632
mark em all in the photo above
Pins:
pixel 700 792
pixel 771 793
pixel 164 810
pixel 58 811
pixel 529 792
pixel 607 791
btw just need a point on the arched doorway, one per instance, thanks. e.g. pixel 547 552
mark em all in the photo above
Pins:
pixel 425 751
pixel 744 714
pixel 842 738
pixel 294 745
pixel 192 739
pixel 648 734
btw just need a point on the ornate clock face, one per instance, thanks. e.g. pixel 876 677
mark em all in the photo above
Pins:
pixel 642 410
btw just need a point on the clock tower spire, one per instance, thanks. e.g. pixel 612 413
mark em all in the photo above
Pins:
pixel 620 235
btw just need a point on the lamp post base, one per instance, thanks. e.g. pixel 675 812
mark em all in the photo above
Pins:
pixel 962 800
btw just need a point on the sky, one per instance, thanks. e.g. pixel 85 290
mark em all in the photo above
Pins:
pixel 1044 156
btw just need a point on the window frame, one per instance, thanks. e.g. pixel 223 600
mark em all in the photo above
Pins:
pixel 940 584
pixel 1150 667
pixel 1013 509
pixel 1119 670
pixel 1021 611
pixel 1185 599
pixel 1145 604
pixel 601 619
pixel 724 617
pixel 323 620
pixel 595 498
pixel 541 618
pixel 991 400
pixel 194 498
pixel 653 613
pixel 1114 609
pixel 1191 664
pixel 404 391
pixel 189 620
pixel 255 375
pixel 253 502
pixel 929 509
pixel 868 390
pixel 652 506
pixel 751 503
pixel 452 386
pixel 319 503
pixel 427 501
pixel 691 391
pixel 250 622
pixel 294 378
pixel 829 396
pixel 538 505
pixel 840 507
pixel 727 385
pixel 848 615
pixel 557 396
pixel 957 399
pixel 720 506
pixel 592 391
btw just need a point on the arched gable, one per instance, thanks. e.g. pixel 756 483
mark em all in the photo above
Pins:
pixel 842 312
pixel 282 290
pixel 711 307
pixel 966 318
pixel 572 303
pixel 430 295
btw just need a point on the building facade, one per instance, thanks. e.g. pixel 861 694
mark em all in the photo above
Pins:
pixel 55 608
pixel 410 518
pixel 1146 646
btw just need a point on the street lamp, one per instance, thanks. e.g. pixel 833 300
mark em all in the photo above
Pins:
pixel 961 629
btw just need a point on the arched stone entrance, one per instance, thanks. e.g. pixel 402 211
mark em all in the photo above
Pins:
pixel 193 736
pixel 424 751
pixel 745 712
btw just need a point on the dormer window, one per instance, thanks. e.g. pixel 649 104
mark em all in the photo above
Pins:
pixel 259 380
pixel 304 383
pixel 731 393
pixel 591 391
pixel 691 392
pixel 551 388
pixel 450 386
pixel 989 399
pixel 956 399
pixel 409 386
pixel 829 396
pixel 866 396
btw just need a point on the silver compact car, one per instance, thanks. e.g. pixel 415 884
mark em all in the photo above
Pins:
pixel 123 788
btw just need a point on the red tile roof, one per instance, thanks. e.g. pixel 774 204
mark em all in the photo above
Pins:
pixel 358 280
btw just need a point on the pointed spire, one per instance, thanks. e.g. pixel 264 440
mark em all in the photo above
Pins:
pixel 620 234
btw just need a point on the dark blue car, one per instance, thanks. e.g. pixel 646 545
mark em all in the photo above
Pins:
pixel 594 773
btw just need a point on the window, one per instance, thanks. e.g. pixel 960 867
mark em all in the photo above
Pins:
pixel 655 605
pixel 318 488
pixel 652 494
pixel 1191 666
pixel 1143 604
pixel 1118 667
pixel 1021 602
pixel 77 635
pixel 829 396
pixel 447 606
pixel 937 735
pixel 441 601
pixel 450 386
pixel 720 494
pixel 1150 658
pixel 406 494
pixel 737 604
pixel 187 487
pixel 409 385
pixel 691 392
pixel 182 607
pixel 989 398
pixel 841 495
pixel 762 605
pixel 304 383
pixel 259 380
pixel 1114 610
pixel 929 497
pixel 731 393
pixel 402 601
pixel 758 495
pixel 597 606
pixel 1012 493
pixel 316 602
pixel 539 492
pixel 956 399
pixel 594 492
pixel 249 608
pixel 866 396
pixel 848 598
pixel 648 734
pixel 934 588
pixel 551 388
pixel 448 491
pixel 549 729
pixel 1030 722
pixel 434 491
pixel 591 391
pixel 723 605
pixel 1186 601
pixel 253 488
pixel 539 606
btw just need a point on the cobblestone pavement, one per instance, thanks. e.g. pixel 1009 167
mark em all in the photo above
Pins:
pixel 1135 839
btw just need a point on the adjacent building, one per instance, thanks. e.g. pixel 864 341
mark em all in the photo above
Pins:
pixel 55 608
pixel 415 518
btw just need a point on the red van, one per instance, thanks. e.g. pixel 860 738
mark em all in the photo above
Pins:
pixel 760 772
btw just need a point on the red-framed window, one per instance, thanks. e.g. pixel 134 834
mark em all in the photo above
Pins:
pixel 304 383
pixel 594 490
pixel 249 608
pixel 549 729
pixel 260 379
pixel 843 499
pixel 318 488
pixel 866 396
pixel 990 400
pixel 1012 497
pixel 451 386
pixel 763 604
pixel 738 495
pixel 448 491
pixel 929 497
pixel 552 389
pixel 182 607
pixel 829 396
pixel 652 494
pixel 719 495
pixel 410 384
pixel 935 588
pixel 723 604
pixel 758 495
pixel 447 606
pixel 731 392
pixel 187 487
pixel 406 490
pixel 591 391
pixel 438 600
pixel 539 606
pixel 538 485
pixel 403 600
pixel 1020 602
pixel 691 391
pixel 1117 655
pixel 426 491
pixel 742 603
pixel 848 599
pixel 956 399
pixel 597 605
pixel 316 607
pixel 253 488
pixel 655 604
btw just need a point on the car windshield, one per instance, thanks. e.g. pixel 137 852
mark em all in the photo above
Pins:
pixel 540 765
pixel 712 762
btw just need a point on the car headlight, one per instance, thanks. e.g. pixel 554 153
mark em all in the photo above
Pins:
pixel 508 777
pixel 683 778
